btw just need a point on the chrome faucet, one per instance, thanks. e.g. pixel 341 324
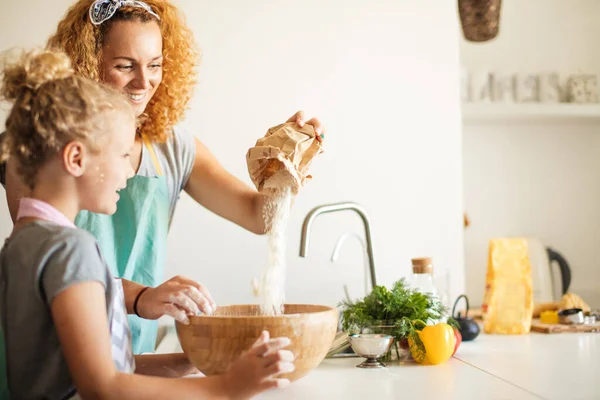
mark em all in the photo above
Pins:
pixel 363 246
pixel 328 208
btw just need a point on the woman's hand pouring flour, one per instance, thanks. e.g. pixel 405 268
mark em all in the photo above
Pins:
pixel 178 297
pixel 300 119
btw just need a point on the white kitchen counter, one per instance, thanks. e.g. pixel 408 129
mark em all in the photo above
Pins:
pixel 534 366
pixel 340 379
pixel 541 363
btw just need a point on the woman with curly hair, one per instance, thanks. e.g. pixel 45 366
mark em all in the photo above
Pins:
pixel 145 50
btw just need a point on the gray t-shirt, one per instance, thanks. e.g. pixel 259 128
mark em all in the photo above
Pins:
pixel 37 263
pixel 176 158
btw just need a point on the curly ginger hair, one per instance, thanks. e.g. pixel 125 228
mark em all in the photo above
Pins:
pixel 83 41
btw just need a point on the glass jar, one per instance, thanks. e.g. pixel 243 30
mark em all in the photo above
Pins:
pixel 422 280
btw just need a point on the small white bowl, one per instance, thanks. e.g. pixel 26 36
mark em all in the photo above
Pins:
pixel 371 346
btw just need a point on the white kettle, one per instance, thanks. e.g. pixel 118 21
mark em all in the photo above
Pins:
pixel 549 283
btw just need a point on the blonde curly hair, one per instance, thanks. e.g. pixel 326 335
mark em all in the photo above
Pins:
pixel 51 106
pixel 83 42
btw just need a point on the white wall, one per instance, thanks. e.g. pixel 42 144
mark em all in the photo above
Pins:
pixel 539 178
pixel 381 75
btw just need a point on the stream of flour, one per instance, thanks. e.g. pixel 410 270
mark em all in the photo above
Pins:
pixel 278 201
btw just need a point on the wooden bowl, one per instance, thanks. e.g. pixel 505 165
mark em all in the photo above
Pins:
pixel 212 342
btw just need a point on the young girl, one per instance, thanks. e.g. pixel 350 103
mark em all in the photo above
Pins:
pixel 63 314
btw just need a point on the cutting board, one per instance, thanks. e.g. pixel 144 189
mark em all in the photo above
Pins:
pixel 537 326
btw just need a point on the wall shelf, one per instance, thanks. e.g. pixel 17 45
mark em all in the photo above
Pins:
pixel 499 112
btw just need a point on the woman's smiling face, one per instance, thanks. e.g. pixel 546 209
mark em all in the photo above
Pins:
pixel 132 60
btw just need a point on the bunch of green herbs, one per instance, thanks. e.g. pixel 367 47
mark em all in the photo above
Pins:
pixel 402 311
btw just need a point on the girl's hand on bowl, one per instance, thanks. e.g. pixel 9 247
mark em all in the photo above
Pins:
pixel 256 369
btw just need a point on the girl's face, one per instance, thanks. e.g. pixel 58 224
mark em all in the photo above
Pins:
pixel 132 60
pixel 108 169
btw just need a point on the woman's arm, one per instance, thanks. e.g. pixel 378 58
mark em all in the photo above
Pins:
pixel 79 314
pixel 222 193
pixel 225 195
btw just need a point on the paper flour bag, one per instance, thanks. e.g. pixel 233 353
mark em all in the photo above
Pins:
pixel 287 147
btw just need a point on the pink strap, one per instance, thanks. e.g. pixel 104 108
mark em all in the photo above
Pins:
pixel 33 208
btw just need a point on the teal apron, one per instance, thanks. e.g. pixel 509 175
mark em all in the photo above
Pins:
pixel 133 240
